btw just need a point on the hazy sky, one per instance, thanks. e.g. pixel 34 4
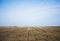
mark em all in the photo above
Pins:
pixel 30 12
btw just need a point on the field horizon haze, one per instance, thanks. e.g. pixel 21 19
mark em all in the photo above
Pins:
pixel 29 20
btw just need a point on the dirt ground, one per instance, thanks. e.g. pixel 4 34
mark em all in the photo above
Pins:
pixel 29 33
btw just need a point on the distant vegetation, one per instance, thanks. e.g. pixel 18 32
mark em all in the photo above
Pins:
pixel 14 33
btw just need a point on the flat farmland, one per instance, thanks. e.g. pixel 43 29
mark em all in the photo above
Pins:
pixel 14 33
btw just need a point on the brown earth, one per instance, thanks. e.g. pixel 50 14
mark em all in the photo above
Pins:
pixel 29 33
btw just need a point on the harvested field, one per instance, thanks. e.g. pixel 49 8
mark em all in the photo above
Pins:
pixel 30 33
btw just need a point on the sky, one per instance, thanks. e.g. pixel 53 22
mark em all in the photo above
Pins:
pixel 29 12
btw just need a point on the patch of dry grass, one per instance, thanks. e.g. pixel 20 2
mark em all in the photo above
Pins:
pixel 29 33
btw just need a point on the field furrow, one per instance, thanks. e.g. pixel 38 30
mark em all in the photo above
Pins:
pixel 29 33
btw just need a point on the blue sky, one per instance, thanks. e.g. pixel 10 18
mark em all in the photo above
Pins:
pixel 29 12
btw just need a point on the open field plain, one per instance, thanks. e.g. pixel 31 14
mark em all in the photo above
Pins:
pixel 51 33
